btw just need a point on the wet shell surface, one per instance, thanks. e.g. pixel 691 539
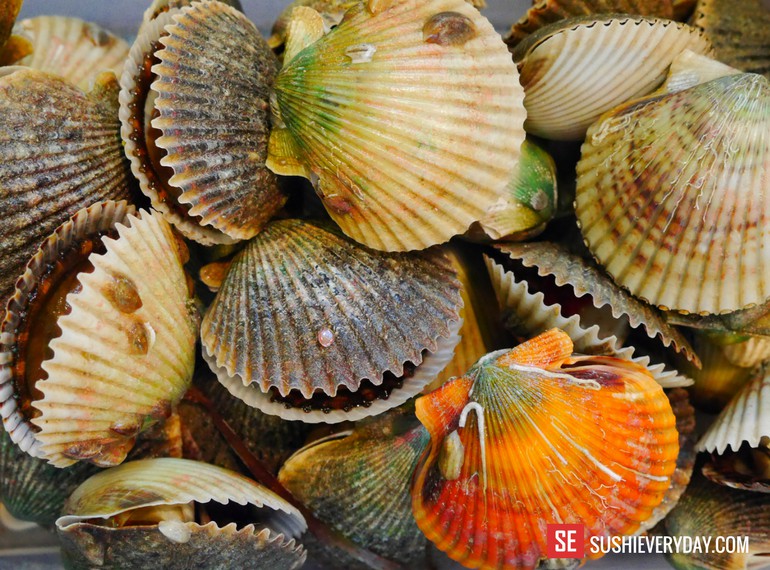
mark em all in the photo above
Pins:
pixel 332 12
pixel 544 12
pixel 306 312
pixel 71 48
pixel 141 513
pixel 197 135
pixel 358 483
pixel 738 31
pixel 575 70
pixel 70 394
pixel 745 419
pixel 648 165
pixel 377 116
pixel 61 152
pixel 712 511
pixel 505 459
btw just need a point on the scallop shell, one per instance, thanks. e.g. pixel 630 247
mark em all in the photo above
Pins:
pixel 576 69
pixel 61 152
pixel 140 485
pixel 125 339
pixel 647 166
pixel 544 12
pixel 738 31
pixel 31 489
pixel 194 120
pixel 528 314
pixel 746 418
pixel 748 353
pixel 306 310
pixel 358 483
pixel 159 7
pixel 409 169
pixel 531 202
pixel 585 279
pixel 748 468
pixel 8 12
pixel 505 459
pixel 332 12
pixel 712 511
pixel 72 48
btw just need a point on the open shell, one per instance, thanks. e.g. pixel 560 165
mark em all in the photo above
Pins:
pixel 72 48
pixel 194 112
pixel 748 468
pixel 305 312
pixel 376 114
pixel 648 165
pixel 575 70
pixel 505 459
pixel 359 484
pixel 133 489
pixel 124 352
pixel 61 153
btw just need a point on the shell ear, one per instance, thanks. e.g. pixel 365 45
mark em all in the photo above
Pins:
pixel 548 350
pixel 305 28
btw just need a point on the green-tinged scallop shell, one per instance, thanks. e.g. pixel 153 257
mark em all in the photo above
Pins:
pixel 108 345
pixel 575 70
pixel 587 280
pixel 61 152
pixel 482 331
pixel 544 12
pixel 738 31
pixel 31 489
pixel 745 419
pixel 748 468
pixel 407 117
pixel 507 458
pixel 195 118
pixel 71 48
pixel 712 512
pixel 141 514
pixel 672 196
pixel 358 483
pixel 528 314
pixel 306 313
pixel 531 202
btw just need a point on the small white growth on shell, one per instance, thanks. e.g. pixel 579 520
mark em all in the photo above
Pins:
pixel 539 200
pixel 590 384
pixel 325 337
pixel 151 335
pixel 175 531
pixel 475 406
pixel 361 53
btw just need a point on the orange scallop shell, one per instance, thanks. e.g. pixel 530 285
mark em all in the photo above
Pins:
pixel 564 439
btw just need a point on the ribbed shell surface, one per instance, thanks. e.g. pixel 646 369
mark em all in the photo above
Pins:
pixel 72 48
pixel 412 130
pixel 213 84
pixel 672 195
pixel 61 152
pixel 576 69
pixel 305 308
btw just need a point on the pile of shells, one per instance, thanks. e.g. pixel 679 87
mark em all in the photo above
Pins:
pixel 386 289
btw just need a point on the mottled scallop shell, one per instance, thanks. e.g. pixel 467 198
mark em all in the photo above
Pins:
pixel 305 313
pixel 195 118
pixel 159 7
pixel 721 514
pixel 141 515
pixel 72 48
pixel 544 12
pixel 528 314
pixel 61 152
pixel 111 350
pixel 407 117
pixel 576 69
pixel 745 419
pixel 738 31
pixel 31 489
pixel 506 460
pixel 530 204
pixel 358 483
pixel 672 197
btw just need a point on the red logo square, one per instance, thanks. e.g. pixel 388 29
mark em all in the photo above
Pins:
pixel 566 541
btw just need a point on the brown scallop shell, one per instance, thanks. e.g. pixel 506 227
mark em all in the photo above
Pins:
pixel 61 152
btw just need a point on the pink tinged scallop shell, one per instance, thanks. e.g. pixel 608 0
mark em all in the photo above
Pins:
pixel 648 166
pixel 267 331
